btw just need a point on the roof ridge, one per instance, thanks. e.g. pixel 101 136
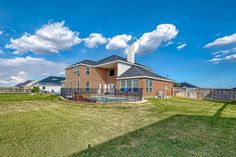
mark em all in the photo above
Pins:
pixel 108 59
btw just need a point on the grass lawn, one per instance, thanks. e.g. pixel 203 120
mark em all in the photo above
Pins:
pixel 44 125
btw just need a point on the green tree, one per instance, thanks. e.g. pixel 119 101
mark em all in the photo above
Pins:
pixel 35 90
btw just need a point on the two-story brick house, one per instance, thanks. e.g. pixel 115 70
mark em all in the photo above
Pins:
pixel 116 72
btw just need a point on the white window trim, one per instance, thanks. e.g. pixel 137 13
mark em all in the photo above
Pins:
pixel 88 67
pixel 133 83
pixel 124 83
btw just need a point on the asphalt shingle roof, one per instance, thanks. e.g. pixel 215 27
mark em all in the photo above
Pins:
pixel 115 58
pixel 111 58
pixel 24 83
pixel 186 84
pixel 51 80
pixel 86 61
pixel 135 71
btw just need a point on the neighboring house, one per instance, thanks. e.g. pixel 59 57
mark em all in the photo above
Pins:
pixel 63 83
pixel 27 84
pixel 51 84
pixel 116 72
pixel 186 84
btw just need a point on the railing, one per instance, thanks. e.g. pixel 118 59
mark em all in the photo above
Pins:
pixel 132 94
pixel 14 90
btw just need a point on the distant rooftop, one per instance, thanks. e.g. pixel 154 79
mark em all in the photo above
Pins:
pixel 26 83
pixel 186 84
pixel 51 80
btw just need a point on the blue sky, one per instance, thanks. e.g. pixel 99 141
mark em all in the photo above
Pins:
pixel 204 30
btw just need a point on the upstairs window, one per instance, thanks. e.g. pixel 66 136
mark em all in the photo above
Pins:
pixel 87 70
pixel 112 73
pixel 76 71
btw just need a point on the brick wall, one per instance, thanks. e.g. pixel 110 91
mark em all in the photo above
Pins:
pixel 96 76
pixel 157 86
pixel 101 76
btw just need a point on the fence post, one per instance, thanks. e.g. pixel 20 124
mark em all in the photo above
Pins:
pixel 212 97
pixel 231 95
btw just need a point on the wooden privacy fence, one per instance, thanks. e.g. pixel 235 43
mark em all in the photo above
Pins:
pixel 14 90
pixel 205 93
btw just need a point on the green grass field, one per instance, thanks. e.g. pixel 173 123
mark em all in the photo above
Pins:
pixel 44 125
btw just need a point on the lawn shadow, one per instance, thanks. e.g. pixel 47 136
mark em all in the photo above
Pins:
pixel 178 135
pixel 220 110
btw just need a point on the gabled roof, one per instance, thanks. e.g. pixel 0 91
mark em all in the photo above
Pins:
pixel 86 61
pixel 51 80
pixel 108 59
pixel 135 71
pixel 26 83
pixel 111 58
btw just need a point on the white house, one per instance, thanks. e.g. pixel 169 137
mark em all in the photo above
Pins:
pixel 51 84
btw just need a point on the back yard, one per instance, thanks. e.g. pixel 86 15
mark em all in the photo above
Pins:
pixel 47 126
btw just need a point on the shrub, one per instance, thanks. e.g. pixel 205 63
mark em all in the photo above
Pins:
pixel 35 90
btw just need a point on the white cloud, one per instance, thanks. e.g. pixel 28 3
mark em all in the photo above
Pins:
pixel 94 39
pixel 45 74
pixel 50 38
pixel 150 41
pixel 20 77
pixel 1 51
pixel 118 42
pixel 169 43
pixel 231 58
pixel 181 46
pixel 61 73
pixel 1 32
pixel 22 68
pixel 222 41
pixel 215 60
pixel 224 52
pixel 224 55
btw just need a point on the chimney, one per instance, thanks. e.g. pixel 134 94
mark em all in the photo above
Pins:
pixel 130 54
